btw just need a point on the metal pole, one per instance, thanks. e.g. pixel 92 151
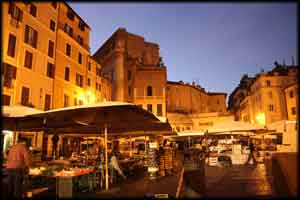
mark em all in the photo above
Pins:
pixel 130 142
pixel 106 158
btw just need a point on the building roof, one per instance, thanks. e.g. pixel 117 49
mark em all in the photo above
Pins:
pixel 76 14
pixel 217 93
pixel 291 85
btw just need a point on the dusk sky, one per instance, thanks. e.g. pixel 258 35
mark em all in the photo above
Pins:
pixel 213 44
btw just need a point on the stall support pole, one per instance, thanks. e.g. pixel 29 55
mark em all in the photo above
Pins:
pixel 130 142
pixel 106 158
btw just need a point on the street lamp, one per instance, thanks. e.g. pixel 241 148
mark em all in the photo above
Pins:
pixel 260 118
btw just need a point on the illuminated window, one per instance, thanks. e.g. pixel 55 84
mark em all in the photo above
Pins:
pixel 11 45
pixel 268 83
pixel 149 91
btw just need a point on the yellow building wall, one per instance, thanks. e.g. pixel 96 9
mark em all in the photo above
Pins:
pixel 292 102
pixel 34 78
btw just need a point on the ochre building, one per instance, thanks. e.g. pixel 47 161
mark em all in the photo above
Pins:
pixel 135 70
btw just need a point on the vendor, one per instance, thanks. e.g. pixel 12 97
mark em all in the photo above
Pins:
pixel 115 166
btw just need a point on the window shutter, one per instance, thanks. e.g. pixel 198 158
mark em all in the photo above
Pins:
pixel 53 71
pixel 14 72
pixel 26 34
pixel 35 38
pixel 11 8
pixel 20 15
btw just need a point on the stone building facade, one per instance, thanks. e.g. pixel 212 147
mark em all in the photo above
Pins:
pixel 265 102
pixel 191 98
pixel 272 100
pixel 46 61
pixel 135 70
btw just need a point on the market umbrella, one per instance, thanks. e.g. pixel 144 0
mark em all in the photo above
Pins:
pixel 117 118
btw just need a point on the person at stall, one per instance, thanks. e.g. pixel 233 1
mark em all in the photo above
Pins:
pixel 18 163
pixel 251 155
pixel 161 160
pixel 115 166
pixel 54 139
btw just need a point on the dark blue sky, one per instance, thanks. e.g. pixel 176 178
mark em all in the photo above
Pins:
pixel 213 44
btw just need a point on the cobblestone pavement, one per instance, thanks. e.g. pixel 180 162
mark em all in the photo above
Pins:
pixel 239 181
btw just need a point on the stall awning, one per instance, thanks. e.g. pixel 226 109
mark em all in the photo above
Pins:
pixel 235 126
pixel 119 117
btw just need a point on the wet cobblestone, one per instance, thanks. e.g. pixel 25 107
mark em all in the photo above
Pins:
pixel 239 181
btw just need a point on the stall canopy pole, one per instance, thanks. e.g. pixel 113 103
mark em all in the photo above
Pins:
pixel 130 142
pixel 106 157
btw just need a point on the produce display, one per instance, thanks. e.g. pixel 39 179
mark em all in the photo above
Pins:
pixel 75 171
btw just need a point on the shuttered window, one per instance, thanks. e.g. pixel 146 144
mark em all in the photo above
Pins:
pixel 28 60
pixel 79 58
pixel 68 50
pixel 25 96
pixel 79 80
pixel 32 10
pixel 67 73
pixel 5 100
pixel 51 49
pixel 11 45
pixel 15 12
pixel 159 109
pixel 66 100
pixel 9 72
pixel 50 70
pixel 47 102
pixel 52 25
pixel 31 36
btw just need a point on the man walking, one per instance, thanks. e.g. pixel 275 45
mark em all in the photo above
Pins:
pixel 18 161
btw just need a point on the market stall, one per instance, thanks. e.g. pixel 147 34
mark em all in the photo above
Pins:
pixel 109 119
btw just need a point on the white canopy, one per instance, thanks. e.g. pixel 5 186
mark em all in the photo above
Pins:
pixel 190 133
pixel 19 111
pixel 234 126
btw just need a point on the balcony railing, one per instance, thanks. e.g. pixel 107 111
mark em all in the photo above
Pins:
pixel 73 36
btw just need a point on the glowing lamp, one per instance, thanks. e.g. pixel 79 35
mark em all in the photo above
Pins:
pixel 260 118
